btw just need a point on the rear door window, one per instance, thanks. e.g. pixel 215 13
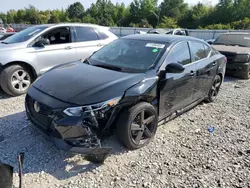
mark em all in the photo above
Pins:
pixel 198 50
pixel 207 49
pixel 84 34
pixel 180 54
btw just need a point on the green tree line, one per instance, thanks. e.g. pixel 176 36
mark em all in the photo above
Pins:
pixel 227 14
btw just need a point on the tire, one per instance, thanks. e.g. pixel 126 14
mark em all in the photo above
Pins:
pixel 214 90
pixel 15 80
pixel 6 175
pixel 245 75
pixel 132 119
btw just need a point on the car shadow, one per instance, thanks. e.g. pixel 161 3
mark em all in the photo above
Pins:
pixel 231 78
pixel 41 156
pixel 3 95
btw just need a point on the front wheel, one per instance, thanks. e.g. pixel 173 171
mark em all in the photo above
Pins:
pixel 15 80
pixel 214 90
pixel 137 126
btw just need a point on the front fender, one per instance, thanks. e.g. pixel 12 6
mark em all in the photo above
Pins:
pixel 145 90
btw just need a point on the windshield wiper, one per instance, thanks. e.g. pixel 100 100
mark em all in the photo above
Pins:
pixel 111 67
pixel 5 42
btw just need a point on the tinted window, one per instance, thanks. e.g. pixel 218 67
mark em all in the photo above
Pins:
pixel 130 55
pixel 180 54
pixel 58 36
pixel 85 34
pixel 198 51
pixel 234 39
pixel 207 49
pixel 102 35
pixel 25 35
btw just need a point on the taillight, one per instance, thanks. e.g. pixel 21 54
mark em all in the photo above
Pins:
pixel 225 59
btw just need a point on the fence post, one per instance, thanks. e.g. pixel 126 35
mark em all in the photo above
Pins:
pixel 120 31
pixel 214 34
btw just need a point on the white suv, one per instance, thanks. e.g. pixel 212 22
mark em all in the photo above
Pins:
pixel 33 51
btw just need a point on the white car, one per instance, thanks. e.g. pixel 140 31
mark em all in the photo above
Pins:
pixel 33 51
pixel 2 30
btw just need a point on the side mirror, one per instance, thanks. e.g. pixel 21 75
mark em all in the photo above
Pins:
pixel 42 42
pixel 174 68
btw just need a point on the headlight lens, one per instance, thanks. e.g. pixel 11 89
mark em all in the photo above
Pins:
pixel 242 58
pixel 78 111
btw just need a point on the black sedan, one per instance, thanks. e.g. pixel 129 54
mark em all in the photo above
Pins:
pixel 129 86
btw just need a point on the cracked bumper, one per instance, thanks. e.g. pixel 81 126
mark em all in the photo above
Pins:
pixel 237 68
pixel 70 134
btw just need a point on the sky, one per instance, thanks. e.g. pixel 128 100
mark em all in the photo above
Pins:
pixel 58 4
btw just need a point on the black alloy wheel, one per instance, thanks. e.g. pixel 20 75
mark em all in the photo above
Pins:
pixel 214 91
pixel 142 128
pixel 137 126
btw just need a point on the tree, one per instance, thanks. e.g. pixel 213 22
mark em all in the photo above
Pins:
pixel 20 16
pixel 75 11
pixel 3 17
pixel 173 8
pixel 88 19
pixel 54 18
pixel 32 15
pixel 144 9
pixel 168 22
pixel 11 14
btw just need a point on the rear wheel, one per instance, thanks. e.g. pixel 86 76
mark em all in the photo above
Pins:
pixel 214 90
pixel 137 126
pixel 15 80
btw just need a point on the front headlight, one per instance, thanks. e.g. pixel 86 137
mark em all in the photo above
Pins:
pixel 242 58
pixel 78 111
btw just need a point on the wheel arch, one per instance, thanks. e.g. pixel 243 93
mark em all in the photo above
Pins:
pixel 24 64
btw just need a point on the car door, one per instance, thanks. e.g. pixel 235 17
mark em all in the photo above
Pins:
pixel 86 41
pixel 59 50
pixel 205 68
pixel 176 90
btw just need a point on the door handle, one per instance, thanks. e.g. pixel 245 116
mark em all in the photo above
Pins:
pixel 192 73
pixel 99 45
pixel 68 48
pixel 214 64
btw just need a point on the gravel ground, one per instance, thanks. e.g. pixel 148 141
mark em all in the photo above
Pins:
pixel 184 152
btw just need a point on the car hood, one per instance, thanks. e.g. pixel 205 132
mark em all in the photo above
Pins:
pixel 232 49
pixel 7 47
pixel 83 84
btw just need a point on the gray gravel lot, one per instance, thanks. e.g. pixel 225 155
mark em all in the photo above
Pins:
pixel 183 154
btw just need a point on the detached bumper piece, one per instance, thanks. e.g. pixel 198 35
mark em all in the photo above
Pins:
pixel 73 134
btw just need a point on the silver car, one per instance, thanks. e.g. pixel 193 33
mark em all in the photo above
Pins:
pixel 33 51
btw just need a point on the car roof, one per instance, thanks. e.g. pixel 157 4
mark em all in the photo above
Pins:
pixel 236 33
pixel 72 24
pixel 162 38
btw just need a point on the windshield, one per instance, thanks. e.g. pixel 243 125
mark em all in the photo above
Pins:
pixel 128 55
pixel 24 35
pixel 234 39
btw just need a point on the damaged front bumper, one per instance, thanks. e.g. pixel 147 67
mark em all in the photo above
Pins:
pixel 237 69
pixel 74 134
